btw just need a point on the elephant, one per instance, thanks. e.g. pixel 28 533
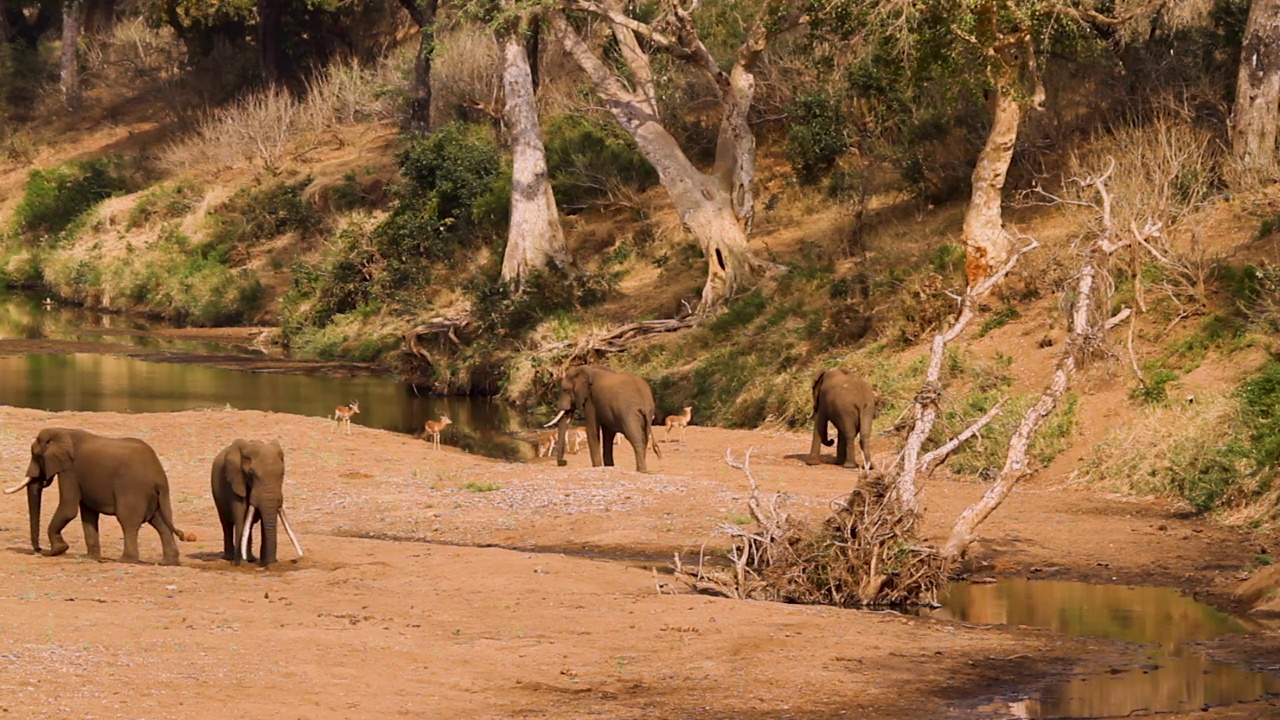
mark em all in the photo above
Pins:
pixel 848 402
pixel 613 402
pixel 99 476
pixel 248 479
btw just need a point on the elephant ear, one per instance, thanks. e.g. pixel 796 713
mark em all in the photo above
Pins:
pixel 817 385
pixel 581 386
pixel 58 452
pixel 279 452
pixel 234 467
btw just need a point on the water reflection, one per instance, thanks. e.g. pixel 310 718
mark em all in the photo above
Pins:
pixel 28 319
pixel 93 382
pixel 1174 678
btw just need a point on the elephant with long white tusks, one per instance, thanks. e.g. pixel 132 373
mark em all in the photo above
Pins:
pixel 614 403
pixel 248 487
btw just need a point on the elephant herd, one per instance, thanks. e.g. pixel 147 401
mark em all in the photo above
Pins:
pixel 123 477
pixel 614 403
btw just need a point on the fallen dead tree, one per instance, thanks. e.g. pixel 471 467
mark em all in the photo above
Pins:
pixel 865 554
pixel 868 552
pixel 459 330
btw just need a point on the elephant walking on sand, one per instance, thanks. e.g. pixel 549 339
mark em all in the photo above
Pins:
pixel 248 488
pixel 99 476
pixel 848 402
pixel 613 402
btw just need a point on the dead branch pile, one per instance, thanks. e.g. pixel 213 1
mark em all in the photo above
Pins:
pixel 866 554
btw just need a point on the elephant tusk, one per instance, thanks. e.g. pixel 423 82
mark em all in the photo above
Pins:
pixel 18 487
pixel 244 539
pixel 556 420
pixel 285 521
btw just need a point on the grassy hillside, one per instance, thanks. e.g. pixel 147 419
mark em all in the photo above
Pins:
pixel 314 212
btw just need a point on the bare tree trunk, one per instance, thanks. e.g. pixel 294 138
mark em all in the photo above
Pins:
pixel 1254 117
pixel 99 16
pixel 705 207
pixel 69 70
pixel 270 57
pixel 534 238
pixel 986 243
pixel 423 13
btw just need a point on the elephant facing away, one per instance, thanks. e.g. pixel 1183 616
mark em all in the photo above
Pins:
pixel 248 488
pixel 99 476
pixel 848 402
pixel 613 402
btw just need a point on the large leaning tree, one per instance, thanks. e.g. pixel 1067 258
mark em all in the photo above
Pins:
pixel 717 205
pixel 423 14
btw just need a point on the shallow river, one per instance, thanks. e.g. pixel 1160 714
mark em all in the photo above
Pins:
pixel 1176 676
pixel 120 382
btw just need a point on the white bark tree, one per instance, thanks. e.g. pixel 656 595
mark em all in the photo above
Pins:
pixel 534 238
pixel 716 207
pixel 1257 105
pixel 69 65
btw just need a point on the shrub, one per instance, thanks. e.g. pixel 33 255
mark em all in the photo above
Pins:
pixel 55 197
pixel 252 215
pixel 163 202
pixel 817 135
pixel 587 160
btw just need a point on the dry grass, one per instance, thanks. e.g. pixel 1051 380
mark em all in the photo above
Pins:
pixel 466 75
pixel 1133 458
pixel 269 126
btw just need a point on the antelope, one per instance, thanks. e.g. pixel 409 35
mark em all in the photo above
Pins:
pixel 576 439
pixel 342 415
pixel 679 421
pixel 546 444
pixel 435 427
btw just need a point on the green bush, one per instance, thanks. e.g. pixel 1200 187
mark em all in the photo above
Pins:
pixel 817 135
pixel 163 202
pixel 253 215
pixel 1260 397
pixel 1005 315
pixel 1156 390
pixel 585 158
pixel 55 197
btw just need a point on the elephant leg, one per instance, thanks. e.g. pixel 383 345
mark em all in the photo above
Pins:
pixel 593 446
pixel 608 447
pixel 864 437
pixel 89 521
pixel 167 543
pixel 842 447
pixel 638 444
pixel 68 506
pixel 819 432
pixel 130 530
pixel 228 539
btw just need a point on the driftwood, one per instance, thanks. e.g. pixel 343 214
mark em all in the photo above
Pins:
pixel 449 327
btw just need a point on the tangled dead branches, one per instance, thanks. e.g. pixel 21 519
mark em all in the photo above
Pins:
pixel 866 554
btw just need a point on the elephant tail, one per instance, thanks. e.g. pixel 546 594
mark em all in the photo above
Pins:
pixel 166 513
pixel 651 438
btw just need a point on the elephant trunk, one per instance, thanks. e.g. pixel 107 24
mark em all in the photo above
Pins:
pixel 562 429
pixel 268 539
pixel 35 490
pixel 270 515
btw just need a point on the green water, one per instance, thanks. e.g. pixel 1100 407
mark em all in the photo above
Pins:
pixel 123 383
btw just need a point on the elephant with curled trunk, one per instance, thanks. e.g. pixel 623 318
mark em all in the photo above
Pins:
pixel 99 476
pixel 848 402
pixel 248 489
pixel 613 402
